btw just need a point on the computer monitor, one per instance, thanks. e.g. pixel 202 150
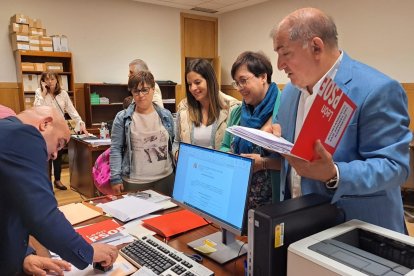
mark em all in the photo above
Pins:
pixel 215 185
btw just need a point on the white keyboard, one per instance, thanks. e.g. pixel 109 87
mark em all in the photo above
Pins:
pixel 162 259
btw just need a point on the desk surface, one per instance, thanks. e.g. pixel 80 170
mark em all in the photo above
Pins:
pixel 179 242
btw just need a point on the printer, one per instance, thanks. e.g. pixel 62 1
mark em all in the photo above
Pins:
pixel 352 248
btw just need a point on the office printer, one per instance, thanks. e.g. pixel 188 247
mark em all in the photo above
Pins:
pixel 352 248
pixel 272 228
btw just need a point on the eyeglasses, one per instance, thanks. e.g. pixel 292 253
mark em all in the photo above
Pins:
pixel 241 83
pixel 143 91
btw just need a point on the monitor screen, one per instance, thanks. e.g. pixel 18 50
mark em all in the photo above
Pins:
pixel 213 184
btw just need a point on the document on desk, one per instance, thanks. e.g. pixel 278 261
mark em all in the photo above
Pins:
pixel 129 208
pixel 78 212
pixel 163 200
pixel 98 142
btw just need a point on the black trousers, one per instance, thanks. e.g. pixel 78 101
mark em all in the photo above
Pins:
pixel 57 165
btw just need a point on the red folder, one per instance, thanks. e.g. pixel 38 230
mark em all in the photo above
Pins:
pixel 100 231
pixel 174 223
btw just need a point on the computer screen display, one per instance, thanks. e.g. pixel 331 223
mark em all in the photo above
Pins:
pixel 214 184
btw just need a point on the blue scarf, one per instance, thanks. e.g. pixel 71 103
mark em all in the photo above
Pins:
pixel 255 119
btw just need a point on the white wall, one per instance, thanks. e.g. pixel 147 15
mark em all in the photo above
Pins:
pixel 377 32
pixel 104 36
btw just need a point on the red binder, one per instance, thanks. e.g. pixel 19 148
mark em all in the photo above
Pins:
pixel 171 224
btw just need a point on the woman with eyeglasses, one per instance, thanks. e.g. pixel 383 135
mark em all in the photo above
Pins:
pixel 51 94
pixel 202 115
pixel 142 137
pixel 252 73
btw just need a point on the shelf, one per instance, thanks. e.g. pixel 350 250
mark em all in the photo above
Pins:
pixel 45 54
pixel 105 105
pixel 39 73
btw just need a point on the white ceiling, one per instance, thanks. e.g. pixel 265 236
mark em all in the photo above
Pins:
pixel 220 6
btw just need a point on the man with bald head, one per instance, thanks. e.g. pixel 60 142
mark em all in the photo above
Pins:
pixel 27 204
pixel 138 65
pixel 371 162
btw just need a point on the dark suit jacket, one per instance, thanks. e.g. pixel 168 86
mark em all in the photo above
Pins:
pixel 27 202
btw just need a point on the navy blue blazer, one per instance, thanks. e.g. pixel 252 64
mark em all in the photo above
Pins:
pixel 373 155
pixel 27 203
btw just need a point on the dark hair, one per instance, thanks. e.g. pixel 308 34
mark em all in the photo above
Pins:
pixel 127 101
pixel 257 63
pixel 140 78
pixel 49 74
pixel 205 69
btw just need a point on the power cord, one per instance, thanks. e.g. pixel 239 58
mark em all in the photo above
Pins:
pixel 238 254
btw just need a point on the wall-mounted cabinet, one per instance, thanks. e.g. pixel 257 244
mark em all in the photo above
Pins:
pixel 96 111
pixel 31 64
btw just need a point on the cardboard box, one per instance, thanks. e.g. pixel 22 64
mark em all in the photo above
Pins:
pixel 28 101
pixel 39 67
pixel 28 66
pixel 34 47
pixel 19 45
pixel 19 37
pixel 54 66
pixel 56 43
pixel 30 82
pixel 34 39
pixel 46 48
pixel 35 23
pixel 37 31
pixel 46 41
pixel 19 28
pixel 64 84
pixel 64 43
pixel 20 18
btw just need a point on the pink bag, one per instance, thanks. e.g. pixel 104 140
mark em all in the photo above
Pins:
pixel 101 173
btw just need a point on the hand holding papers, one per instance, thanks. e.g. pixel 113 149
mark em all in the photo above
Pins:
pixel 327 120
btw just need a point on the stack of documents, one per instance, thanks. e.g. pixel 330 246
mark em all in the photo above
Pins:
pixel 262 138
pixel 129 208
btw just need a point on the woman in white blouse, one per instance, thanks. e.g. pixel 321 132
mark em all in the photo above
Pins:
pixel 51 94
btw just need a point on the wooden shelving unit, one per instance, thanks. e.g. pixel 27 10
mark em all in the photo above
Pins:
pixel 26 96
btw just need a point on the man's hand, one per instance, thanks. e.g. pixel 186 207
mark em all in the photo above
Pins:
pixel 104 254
pixel 37 265
pixel 322 168
pixel 118 188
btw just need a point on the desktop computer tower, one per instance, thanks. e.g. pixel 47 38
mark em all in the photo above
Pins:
pixel 272 228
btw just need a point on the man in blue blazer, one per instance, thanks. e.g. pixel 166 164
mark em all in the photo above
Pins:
pixel 371 162
pixel 27 203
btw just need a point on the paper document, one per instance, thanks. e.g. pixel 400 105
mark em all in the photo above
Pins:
pixel 262 138
pixel 129 208
pixel 78 212
pixel 327 120
pixel 98 142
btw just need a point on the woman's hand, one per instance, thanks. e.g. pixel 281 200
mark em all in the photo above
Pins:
pixel 83 128
pixel 37 265
pixel 258 161
pixel 44 88
pixel 118 188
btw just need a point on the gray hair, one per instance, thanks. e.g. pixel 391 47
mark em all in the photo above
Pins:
pixel 139 65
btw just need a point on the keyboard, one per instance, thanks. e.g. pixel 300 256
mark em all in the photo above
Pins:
pixel 162 259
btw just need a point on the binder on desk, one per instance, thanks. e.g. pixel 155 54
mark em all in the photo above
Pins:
pixel 171 224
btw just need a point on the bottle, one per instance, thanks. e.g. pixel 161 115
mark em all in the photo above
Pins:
pixel 103 131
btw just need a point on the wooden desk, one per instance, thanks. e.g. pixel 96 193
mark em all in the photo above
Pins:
pixel 82 157
pixel 232 268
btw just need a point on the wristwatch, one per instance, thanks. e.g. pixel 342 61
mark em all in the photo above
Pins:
pixel 332 183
